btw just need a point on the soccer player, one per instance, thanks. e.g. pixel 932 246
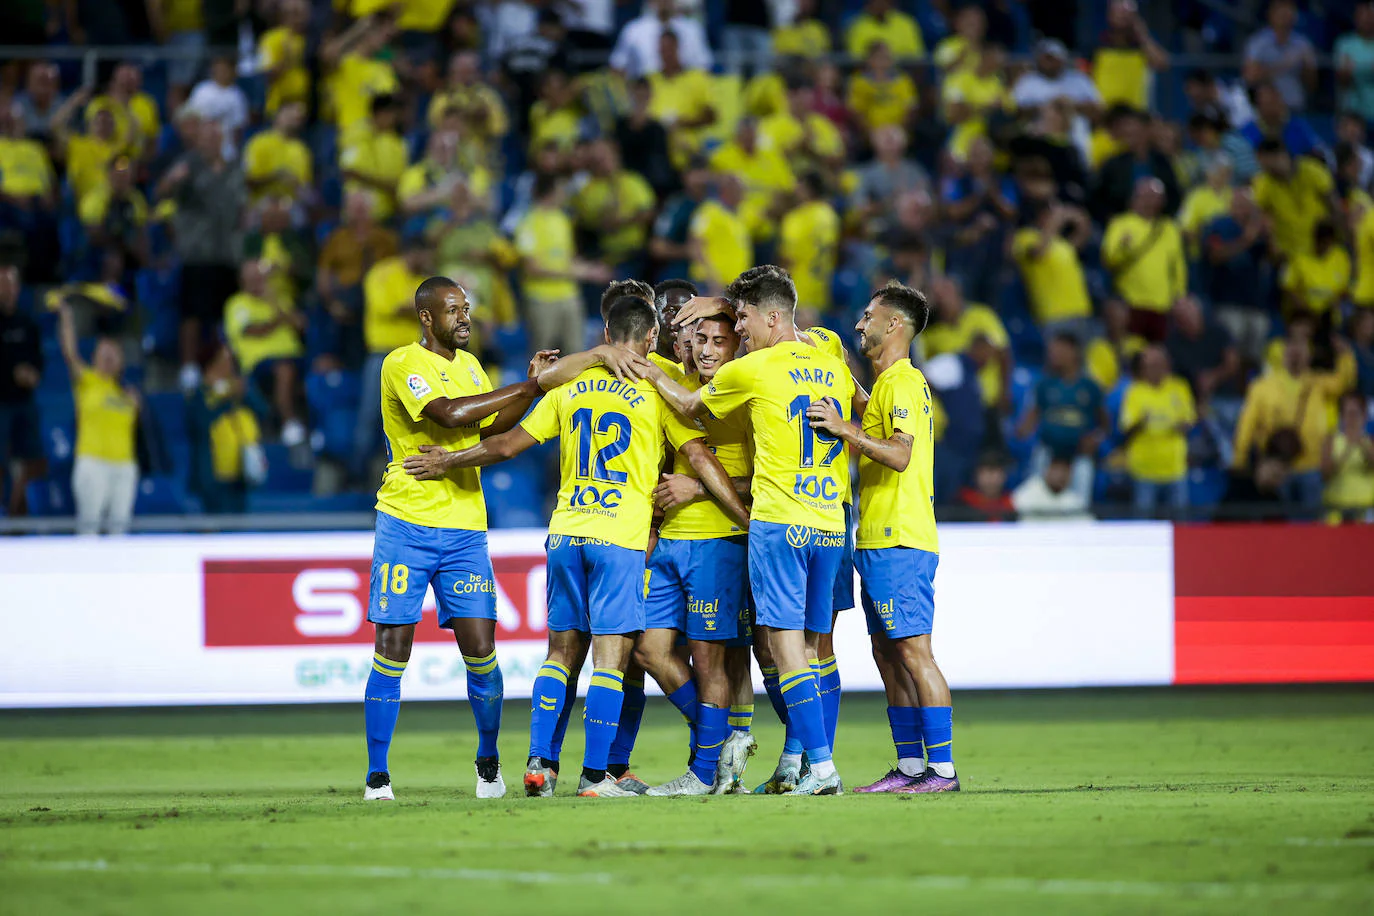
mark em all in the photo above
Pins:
pixel 697 578
pixel 797 539
pixel 434 391
pixel 611 442
pixel 897 545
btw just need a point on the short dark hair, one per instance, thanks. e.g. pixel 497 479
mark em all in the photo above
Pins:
pixel 912 303
pixel 673 284
pixel 815 183
pixel 1067 337
pixel 544 185
pixel 385 102
pixel 1270 145
pixel 428 293
pixel 766 286
pixel 619 288
pixel 629 318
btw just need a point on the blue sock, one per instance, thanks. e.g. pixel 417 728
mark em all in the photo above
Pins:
pixel 685 700
pixel 381 706
pixel 713 727
pixel 804 715
pixel 742 717
pixel 829 684
pixel 937 730
pixel 549 697
pixel 486 691
pixel 631 714
pixel 601 718
pixel 770 684
pixel 560 731
pixel 905 722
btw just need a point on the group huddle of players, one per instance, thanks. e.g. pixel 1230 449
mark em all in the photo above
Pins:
pixel 704 515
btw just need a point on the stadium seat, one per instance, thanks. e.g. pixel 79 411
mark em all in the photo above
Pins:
pixel 325 391
pixel 160 495
pixel 337 432
pixel 282 475
pixel 51 496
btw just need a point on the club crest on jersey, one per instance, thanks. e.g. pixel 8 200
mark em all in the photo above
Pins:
pixel 417 385
pixel 798 536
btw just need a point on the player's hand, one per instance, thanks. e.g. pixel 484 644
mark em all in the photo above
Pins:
pixel 675 490
pixel 699 307
pixel 825 416
pixel 430 464
pixel 623 364
pixel 541 361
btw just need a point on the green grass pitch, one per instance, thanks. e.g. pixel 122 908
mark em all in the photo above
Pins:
pixel 1151 801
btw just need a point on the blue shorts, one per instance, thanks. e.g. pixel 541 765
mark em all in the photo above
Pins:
pixel 407 557
pixel 898 589
pixel 844 581
pixel 792 571
pixel 699 587
pixel 594 587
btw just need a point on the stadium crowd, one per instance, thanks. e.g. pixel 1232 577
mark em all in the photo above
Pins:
pixel 221 243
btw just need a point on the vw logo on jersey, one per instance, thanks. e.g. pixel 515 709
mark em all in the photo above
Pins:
pixel 798 536
pixel 555 541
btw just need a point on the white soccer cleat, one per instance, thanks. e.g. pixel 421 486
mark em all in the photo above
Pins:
pixel 540 781
pixel 489 781
pixel 782 782
pixel 606 788
pixel 632 783
pixel 686 784
pixel 811 784
pixel 378 788
pixel 734 757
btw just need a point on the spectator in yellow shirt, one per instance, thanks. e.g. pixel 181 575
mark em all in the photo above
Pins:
pixel 1110 356
pixel 1206 202
pixel 1295 194
pixel 87 155
pixel 28 189
pixel 264 331
pixel 963 48
pixel 879 23
pixel 1361 225
pixel 357 71
pixel 972 96
pixel 721 245
pixel 1047 255
pixel 105 473
pixel 766 174
pixel 1157 414
pixel 484 116
pixel 1126 53
pixel 137 122
pixel 427 186
pixel 281 57
pixel 1143 249
pixel 1316 282
pixel 276 163
pixel 683 101
pixel 807 36
pixel 880 96
pixel 803 135
pixel 115 214
pixel 374 155
pixel 1348 464
pixel 615 208
pixel 388 323
pixel 967 327
pixel 348 255
pixel 808 243
pixel 556 117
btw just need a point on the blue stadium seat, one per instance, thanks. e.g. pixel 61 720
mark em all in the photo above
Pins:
pixel 325 391
pixel 282 476
pixel 57 419
pixel 514 496
pixel 160 495
pixel 1206 486
pixel 51 496
pixel 337 429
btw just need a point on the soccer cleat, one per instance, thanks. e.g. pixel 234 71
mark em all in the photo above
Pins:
pixel 811 784
pixel 894 781
pixel 378 788
pixel 606 788
pixel 734 757
pixel 931 781
pixel 540 781
pixel 632 784
pixel 489 781
pixel 782 782
pixel 686 784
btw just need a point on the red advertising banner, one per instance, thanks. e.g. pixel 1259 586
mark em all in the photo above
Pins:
pixel 1273 603
pixel 324 602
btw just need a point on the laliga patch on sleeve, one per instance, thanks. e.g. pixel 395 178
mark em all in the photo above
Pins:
pixel 418 386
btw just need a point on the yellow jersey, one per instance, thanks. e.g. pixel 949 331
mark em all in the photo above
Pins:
pixel 897 508
pixel 469 97
pixel 355 82
pixel 135 124
pixel 974 321
pixel 808 242
pixel 612 436
pixel 1295 206
pixel 1146 258
pixel 881 103
pixel 412 376
pixel 980 93
pixel 425 175
pixel 801 475
pixel 808 38
pixel 230 433
pixel 898 31
pixel 25 169
pixel 1159 452
pixel 1352 485
pixel 269 153
pixel 674 370
pixel 244 310
pixel 105 418
pixel 380 156
pixel 553 125
pixel 727 248
pixel 1318 281
pixel 182 15
pixel 1201 206
pixel 818 135
pixel 95 206
pixel 88 162
pixel 704 518
pixel 1105 365
pixel 545 236
pixel 1362 293
pixel 282 47
pixel 387 288
pixel 827 341
pixel 1122 76
pixel 1055 284
pixel 423 15
pixel 618 196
